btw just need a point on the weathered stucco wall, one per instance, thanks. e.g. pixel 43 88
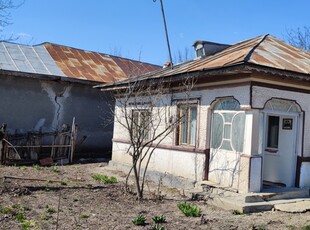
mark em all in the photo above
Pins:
pixel 225 167
pixel 28 103
pixel 183 163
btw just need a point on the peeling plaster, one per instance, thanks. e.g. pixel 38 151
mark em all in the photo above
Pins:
pixel 57 98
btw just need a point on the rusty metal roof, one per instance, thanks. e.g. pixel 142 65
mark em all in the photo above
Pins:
pixel 94 66
pixel 68 63
pixel 262 51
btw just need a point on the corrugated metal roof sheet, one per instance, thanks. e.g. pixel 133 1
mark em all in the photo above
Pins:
pixel 265 51
pixel 277 54
pixel 86 65
pixel 27 59
pixel 61 61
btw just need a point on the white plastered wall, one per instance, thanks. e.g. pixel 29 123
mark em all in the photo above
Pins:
pixel 186 164
pixel 262 94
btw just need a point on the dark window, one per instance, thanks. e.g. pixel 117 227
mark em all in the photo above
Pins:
pixel 273 132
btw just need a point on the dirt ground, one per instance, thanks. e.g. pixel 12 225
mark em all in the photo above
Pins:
pixel 67 197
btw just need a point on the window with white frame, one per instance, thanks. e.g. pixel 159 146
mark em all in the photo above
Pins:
pixel 141 120
pixel 228 125
pixel 188 124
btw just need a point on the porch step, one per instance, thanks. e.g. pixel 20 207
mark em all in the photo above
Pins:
pixel 283 199
pixel 270 194
pixel 290 206
pixel 277 194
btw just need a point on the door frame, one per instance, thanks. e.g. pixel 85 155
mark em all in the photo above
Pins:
pixel 297 118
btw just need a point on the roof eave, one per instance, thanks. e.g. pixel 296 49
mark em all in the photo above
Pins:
pixel 47 77
pixel 227 70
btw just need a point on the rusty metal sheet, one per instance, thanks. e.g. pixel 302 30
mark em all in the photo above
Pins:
pixel 264 50
pixel 93 66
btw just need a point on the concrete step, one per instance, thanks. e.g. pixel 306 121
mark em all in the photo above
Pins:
pixel 237 205
pixel 210 189
pixel 290 206
pixel 282 199
pixel 271 195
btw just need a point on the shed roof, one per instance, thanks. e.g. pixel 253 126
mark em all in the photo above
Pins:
pixel 263 51
pixel 68 63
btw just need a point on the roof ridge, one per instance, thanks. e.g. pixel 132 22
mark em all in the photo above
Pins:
pixel 248 56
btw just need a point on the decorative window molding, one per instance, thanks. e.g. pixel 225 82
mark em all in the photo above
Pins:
pixel 281 105
pixel 187 129
pixel 227 104
pixel 228 126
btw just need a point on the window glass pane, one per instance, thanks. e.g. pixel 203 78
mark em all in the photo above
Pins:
pixel 230 104
pixel 217 130
pixel 135 122
pixel 199 52
pixel 193 124
pixel 228 116
pixel 141 124
pixel 237 137
pixel 227 129
pixel 145 124
pixel 184 126
pixel 227 104
pixel 226 145
pixel 273 132
pixel 281 105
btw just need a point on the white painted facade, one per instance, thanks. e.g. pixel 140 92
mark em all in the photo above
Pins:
pixel 242 170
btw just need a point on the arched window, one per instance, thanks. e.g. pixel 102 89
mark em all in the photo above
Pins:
pixel 281 105
pixel 228 125
pixel 227 104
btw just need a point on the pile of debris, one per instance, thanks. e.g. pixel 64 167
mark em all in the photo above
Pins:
pixel 37 146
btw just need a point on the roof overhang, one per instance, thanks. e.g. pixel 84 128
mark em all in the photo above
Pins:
pixel 242 70
pixel 47 77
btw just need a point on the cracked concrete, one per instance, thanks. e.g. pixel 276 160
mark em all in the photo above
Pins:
pixel 57 97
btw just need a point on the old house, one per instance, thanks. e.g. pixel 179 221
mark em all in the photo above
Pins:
pixel 47 85
pixel 245 123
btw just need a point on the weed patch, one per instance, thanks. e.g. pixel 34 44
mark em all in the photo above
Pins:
pixel 50 210
pixel 5 210
pixel 139 220
pixel 28 224
pixel 44 217
pixel 105 179
pixel 190 210
pixel 158 227
pixel 84 216
pixel 20 217
pixel 159 219
pixel 37 167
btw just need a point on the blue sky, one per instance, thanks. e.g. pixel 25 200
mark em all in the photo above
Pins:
pixel 134 29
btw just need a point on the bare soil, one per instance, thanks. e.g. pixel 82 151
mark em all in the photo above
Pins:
pixel 67 197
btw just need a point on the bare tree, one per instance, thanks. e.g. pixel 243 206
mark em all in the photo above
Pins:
pixel 143 113
pixel 5 15
pixel 299 37
pixel 183 55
